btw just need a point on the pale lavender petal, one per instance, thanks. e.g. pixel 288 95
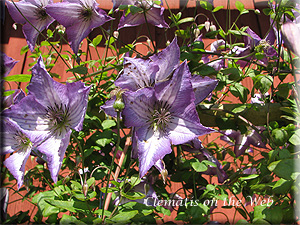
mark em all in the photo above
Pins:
pixel 79 18
pixel 54 148
pixel 256 139
pixel 203 86
pixel 182 130
pixel 193 146
pixel 137 73
pixel 28 114
pixel 78 93
pixel 16 165
pixel 241 144
pixel 159 165
pixel 215 45
pixel 153 146
pixel 138 106
pixel 290 34
pixel 178 91
pixel 46 91
pixel 253 40
pixel 117 3
pixel 155 16
pixel 167 60
pixel 131 20
pixel 7 64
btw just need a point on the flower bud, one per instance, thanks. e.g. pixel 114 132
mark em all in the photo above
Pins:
pixel 196 32
pixel 85 188
pixel 206 25
pixel 148 41
pixel 116 34
pixel 212 28
pixel 168 43
pixel 257 11
pixel 164 174
pixel 118 105
pixel 66 179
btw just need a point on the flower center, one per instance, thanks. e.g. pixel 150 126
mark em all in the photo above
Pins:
pixel 22 142
pixel 59 118
pixel 86 13
pixel 41 13
pixel 160 118
pixel 144 4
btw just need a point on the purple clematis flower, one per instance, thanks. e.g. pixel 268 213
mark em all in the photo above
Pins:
pixel 139 73
pixel 150 12
pixel 7 64
pixel 49 112
pixel 35 13
pixel 162 116
pixel 243 141
pixel 195 146
pixel 79 17
pixel 251 42
pixel 16 140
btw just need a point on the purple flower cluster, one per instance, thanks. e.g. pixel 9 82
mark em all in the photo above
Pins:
pixel 42 121
pixel 160 104
pixel 79 17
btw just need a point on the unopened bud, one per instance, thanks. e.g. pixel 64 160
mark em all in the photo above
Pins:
pixel 116 34
pixel 164 174
pixel 85 188
pixel 257 11
pixel 196 32
pixel 118 105
pixel 14 26
pixel 206 25
pixel 212 28
pixel 66 179
pixel 168 43
pixel 148 41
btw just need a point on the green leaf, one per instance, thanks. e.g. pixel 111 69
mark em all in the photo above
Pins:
pixel 295 138
pixel 282 168
pixel 239 109
pixel 106 124
pixel 133 195
pixel 263 83
pixel 24 49
pixel 234 73
pixel 66 219
pixel 96 41
pixel 248 177
pixel 240 6
pixel 206 5
pixel 218 8
pixel 49 33
pixel 124 216
pixel 79 70
pixel 134 9
pixel 186 20
pixel 198 166
pixel 239 91
pixel 280 136
pixel 282 186
pixel 18 78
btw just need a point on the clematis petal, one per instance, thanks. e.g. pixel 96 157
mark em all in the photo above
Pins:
pixel 16 165
pixel 182 130
pixel 7 64
pixel 79 17
pixel 54 148
pixel 28 114
pixel 241 144
pixel 78 94
pixel 203 86
pixel 46 91
pixel 117 3
pixel 131 20
pixel 290 34
pixel 138 107
pixel 153 146
pixel 155 17
pixel 167 60
pixel 178 91
pixel 108 107
pixel 137 73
